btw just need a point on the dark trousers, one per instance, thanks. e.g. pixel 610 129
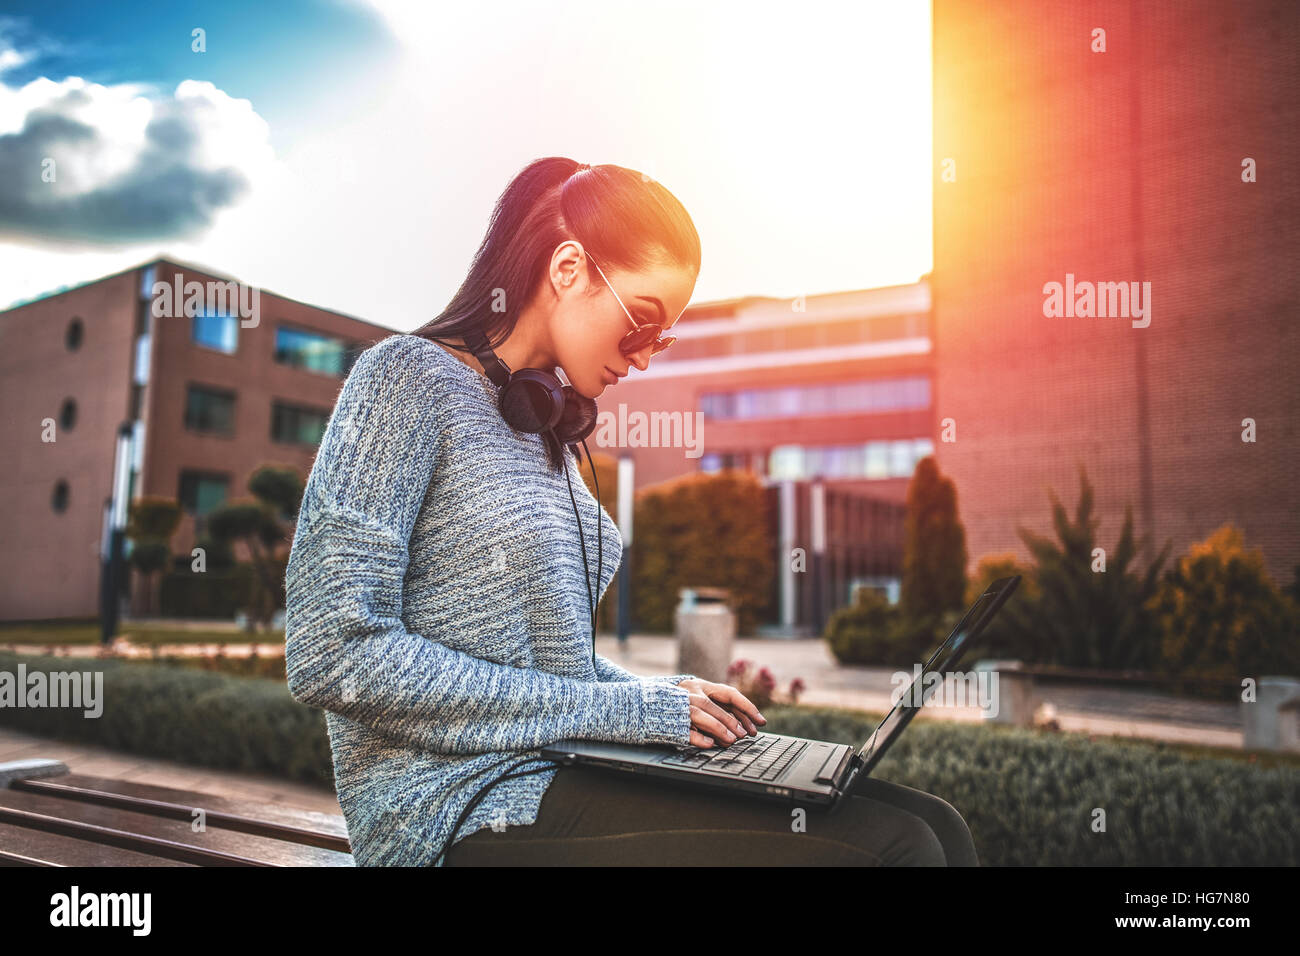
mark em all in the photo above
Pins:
pixel 595 817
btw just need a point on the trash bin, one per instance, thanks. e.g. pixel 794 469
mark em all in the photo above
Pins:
pixel 705 626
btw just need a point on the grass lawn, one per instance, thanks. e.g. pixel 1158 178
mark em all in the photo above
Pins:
pixel 138 632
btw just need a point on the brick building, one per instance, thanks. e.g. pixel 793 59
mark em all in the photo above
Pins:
pixel 836 386
pixel 1054 160
pixel 209 398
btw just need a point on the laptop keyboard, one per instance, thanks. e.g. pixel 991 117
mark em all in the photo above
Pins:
pixel 764 757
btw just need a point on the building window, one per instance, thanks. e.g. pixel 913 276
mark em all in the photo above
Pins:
pixel 297 426
pixel 59 500
pixel 72 338
pixel 871 460
pixel 717 461
pixel 313 351
pixel 147 278
pixel 210 410
pixel 68 413
pixel 835 398
pixel 200 492
pixel 216 331
pixel 142 356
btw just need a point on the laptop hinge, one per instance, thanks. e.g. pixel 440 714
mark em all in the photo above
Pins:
pixel 825 775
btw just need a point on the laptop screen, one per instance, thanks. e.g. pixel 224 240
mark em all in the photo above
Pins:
pixel 944 657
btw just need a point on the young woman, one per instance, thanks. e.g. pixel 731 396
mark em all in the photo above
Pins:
pixel 440 595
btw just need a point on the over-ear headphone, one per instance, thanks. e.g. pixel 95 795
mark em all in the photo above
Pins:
pixel 533 400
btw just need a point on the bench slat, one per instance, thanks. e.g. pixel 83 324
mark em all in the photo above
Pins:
pixel 157 835
pixel 21 846
pixel 326 830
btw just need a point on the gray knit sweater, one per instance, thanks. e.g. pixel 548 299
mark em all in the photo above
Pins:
pixel 437 612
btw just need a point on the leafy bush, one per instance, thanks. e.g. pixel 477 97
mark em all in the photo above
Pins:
pixel 1220 615
pixel 862 632
pixel 1013 633
pixel 1084 616
pixel 1029 797
pixel 873 632
pixel 702 530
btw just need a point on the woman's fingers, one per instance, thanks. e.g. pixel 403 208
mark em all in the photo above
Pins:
pixel 744 719
pixel 727 695
pixel 728 717
pixel 700 740
pixel 709 717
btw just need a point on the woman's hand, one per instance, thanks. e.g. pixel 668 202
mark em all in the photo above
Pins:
pixel 719 712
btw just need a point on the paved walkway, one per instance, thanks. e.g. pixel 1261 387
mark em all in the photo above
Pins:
pixel 100 762
pixel 1083 708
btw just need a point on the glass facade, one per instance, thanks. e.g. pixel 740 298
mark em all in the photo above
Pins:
pixel 793 401
pixel 871 460
pixel 313 351
pixel 297 426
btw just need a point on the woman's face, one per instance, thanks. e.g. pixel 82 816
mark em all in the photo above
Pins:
pixel 589 323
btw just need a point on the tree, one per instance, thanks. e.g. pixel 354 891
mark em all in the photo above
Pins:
pixel 1091 611
pixel 151 521
pixel 934 545
pixel 277 494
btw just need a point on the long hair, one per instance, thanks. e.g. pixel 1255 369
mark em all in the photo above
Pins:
pixel 628 220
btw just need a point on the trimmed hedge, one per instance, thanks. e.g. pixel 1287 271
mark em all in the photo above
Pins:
pixel 1028 796
pixel 702 530
pixel 187 715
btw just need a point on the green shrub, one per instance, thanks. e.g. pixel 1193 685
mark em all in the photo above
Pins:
pixel 862 632
pixel 1220 615
pixel 188 715
pixel 1029 796
pixel 702 530
pixel 1013 633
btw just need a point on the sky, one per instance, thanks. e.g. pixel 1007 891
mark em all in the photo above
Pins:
pixel 347 153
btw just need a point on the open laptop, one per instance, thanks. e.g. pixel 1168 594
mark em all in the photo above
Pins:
pixel 789 769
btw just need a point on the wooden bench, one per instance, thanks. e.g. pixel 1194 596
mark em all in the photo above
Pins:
pixel 52 817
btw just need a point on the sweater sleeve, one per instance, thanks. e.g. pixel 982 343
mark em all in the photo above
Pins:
pixel 608 670
pixel 347 649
